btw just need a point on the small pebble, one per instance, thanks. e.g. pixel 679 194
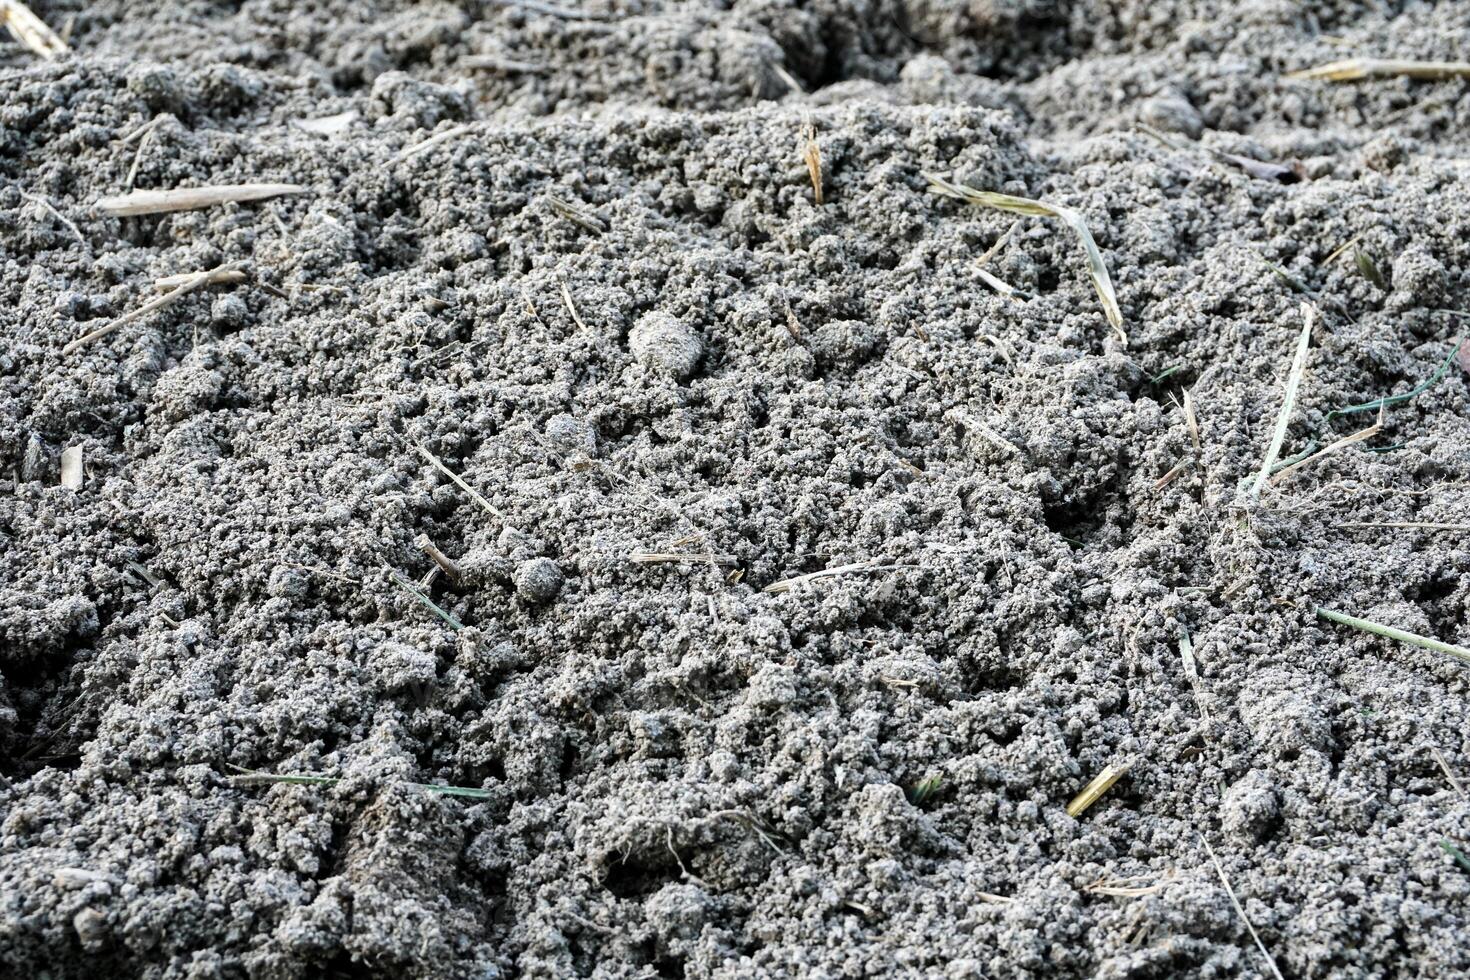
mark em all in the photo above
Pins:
pixel 538 580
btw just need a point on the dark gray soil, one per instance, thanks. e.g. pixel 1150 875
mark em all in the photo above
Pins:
pixel 608 300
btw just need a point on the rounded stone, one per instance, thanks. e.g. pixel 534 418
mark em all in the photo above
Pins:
pixel 666 345
pixel 538 580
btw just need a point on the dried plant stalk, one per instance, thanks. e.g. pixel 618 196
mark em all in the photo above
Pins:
pixel 31 30
pixel 812 154
pixel 1333 447
pixel 1096 268
pixel 191 198
pixel 1356 69
pixel 1094 790
pixel 191 282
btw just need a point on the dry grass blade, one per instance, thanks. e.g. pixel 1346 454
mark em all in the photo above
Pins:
pixel 671 557
pixel 427 603
pixel 870 565
pixel 566 297
pixel 1356 69
pixel 31 30
pixel 576 214
pixel 1220 870
pixel 438 464
pixel 506 66
pixel 1394 633
pixel 192 198
pixel 223 276
pixel 1448 772
pixel 254 777
pixel 812 154
pixel 1094 790
pixel 1421 525
pixel 1293 382
pixel 1136 886
pixel 1331 448
pixel 428 144
pixel 187 286
pixel 1096 268
pixel 1191 421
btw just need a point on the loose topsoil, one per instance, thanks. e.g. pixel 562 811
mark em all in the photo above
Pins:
pixel 609 301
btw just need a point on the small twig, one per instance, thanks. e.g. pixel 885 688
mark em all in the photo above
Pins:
pixel 1393 633
pixel 1293 382
pixel 1191 422
pixel 1191 671
pixel 576 214
pixel 194 281
pixel 451 569
pixel 999 285
pixel 254 777
pixel 1094 790
pixel 1172 475
pixel 668 557
pixel 191 198
pixel 430 143
pixel 1131 887
pixel 1220 870
pixel 222 276
pixel 1422 525
pixel 550 10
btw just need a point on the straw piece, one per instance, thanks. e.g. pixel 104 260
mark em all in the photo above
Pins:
pixel 191 198
pixel 193 281
pixel 1239 910
pixel 1356 69
pixel 1096 268
pixel 31 30
pixel 1359 436
pixel 474 494
pixel 1094 790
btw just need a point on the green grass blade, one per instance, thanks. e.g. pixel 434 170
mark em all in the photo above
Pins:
pixel 428 603
pixel 1393 633
pixel 1387 400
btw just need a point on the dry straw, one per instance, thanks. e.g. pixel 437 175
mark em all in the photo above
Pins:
pixel 31 30
pixel 1096 268
pixel 1356 69
pixel 191 198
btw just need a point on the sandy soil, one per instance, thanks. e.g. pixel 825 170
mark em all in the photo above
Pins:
pixel 573 253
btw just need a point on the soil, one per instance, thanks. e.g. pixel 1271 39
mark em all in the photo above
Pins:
pixel 607 299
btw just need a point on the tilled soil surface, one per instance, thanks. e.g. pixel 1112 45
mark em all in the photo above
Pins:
pixel 573 255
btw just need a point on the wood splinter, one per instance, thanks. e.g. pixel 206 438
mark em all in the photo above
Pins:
pixel 423 543
pixel 184 285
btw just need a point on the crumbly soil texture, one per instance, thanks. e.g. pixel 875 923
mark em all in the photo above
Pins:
pixel 803 558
